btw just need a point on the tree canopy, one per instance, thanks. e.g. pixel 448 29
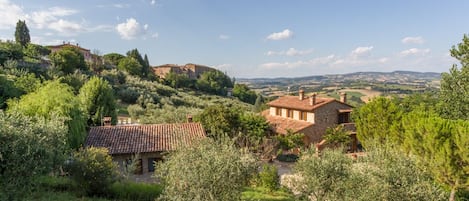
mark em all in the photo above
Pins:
pixel 214 82
pixel 130 65
pixel 54 98
pixel 97 101
pixel 67 60
pixel 22 33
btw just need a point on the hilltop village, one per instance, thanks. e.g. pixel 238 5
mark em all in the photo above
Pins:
pixel 77 125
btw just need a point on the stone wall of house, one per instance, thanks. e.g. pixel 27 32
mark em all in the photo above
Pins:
pixel 325 117
pixel 122 159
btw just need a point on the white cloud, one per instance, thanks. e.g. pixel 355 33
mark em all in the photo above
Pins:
pixel 42 19
pixel 285 34
pixel 66 27
pixel 10 14
pixel 223 37
pixel 130 29
pixel 121 5
pixel 153 2
pixel 415 51
pixel 413 40
pixel 290 52
pixel 223 66
pixel 361 51
pixel 290 65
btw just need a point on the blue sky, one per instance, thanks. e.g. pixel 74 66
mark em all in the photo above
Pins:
pixel 255 38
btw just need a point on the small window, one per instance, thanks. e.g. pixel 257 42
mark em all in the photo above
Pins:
pixel 151 164
pixel 304 116
pixel 290 113
pixel 278 111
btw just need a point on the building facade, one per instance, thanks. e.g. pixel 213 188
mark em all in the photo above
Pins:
pixel 193 71
pixel 86 52
pixel 146 142
pixel 309 115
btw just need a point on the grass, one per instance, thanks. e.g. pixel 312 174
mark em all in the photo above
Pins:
pixel 262 194
pixel 52 188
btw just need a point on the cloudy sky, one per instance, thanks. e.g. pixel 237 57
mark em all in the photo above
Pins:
pixel 255 38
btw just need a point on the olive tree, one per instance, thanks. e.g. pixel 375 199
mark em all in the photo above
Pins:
pixel 206 170
pixel 29 147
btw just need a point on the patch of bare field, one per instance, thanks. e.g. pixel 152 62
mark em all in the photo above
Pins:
pixel 367 93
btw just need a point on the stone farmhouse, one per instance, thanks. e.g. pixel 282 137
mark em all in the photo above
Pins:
pixel 149 141
pixel 193 71
pixel 310 116
pixel 86 52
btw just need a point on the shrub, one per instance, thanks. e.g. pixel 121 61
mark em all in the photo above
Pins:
pixel 128 95
pixel 135 191
pixel 268 177
pixel 93 170
pixel 206 170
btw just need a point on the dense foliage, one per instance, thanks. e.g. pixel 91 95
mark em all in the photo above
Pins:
pixel 97 101
pixel 67 60
pixel 93 170
pixel 54 98
pixel 206 170
pixel 22 33
pixel 244 94
pixel 381 175
pixel 214 82
pixel 29 147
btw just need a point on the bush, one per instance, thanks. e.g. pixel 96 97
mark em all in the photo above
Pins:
pixel 93 170
pixel 128 95
pixel 269 178
pixel 135 191
pixel 206 170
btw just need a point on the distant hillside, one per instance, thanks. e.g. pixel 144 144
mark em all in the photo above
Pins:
pixel 394 77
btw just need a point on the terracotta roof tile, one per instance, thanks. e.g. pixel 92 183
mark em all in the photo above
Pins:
pixel 294 102
pixel 281 124
pixel 144 138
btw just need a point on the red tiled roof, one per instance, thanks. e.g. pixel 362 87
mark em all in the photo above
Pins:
pixel 144 138
pixel 294 102
pixel 281 124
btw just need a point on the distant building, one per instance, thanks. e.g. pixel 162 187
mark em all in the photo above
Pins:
pixel 86 52
pixel 149 141
pixel 310 115
pixel 193 71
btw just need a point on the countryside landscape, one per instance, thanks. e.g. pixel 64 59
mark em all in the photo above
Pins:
pixel 189 100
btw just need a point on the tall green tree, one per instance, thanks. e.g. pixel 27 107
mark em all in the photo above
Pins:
pixel 54 98
pixel 214 82
pixel 244 94
pixel 454 92
pixel 113 58
pixel 130 65
pixel 378 122
pixel 22 33
pixel 97 101
pixel 219 120
pixel 67 60
pixel 441 145
pixel 144 63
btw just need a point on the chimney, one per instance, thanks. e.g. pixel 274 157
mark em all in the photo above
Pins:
pixel 312 99
pixel 107 121
pixel 302 94
pixel 189 118
pixel 343 97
